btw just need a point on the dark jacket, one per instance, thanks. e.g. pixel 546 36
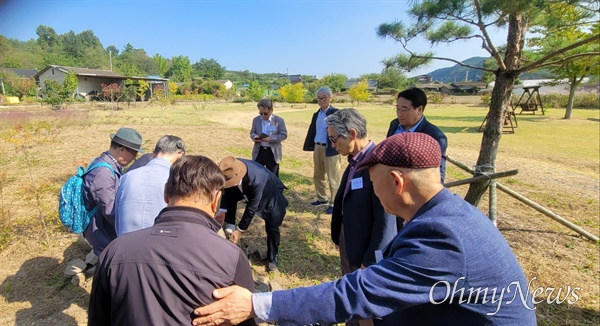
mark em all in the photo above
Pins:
pixel 263 193
pixel 309 142
pixel 366 225
pixel 429 128
pixel 100 189
pixel 159 275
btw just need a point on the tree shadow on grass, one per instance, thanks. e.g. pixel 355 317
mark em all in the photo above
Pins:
pixel 41 282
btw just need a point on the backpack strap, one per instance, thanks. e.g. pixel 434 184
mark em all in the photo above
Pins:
pixel 97 165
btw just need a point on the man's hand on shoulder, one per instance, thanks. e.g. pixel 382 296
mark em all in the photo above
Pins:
pixel 233 306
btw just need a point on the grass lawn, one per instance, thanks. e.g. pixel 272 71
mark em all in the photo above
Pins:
pixel 558 162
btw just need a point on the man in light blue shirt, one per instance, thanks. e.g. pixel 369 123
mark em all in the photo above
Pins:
pixel 140 196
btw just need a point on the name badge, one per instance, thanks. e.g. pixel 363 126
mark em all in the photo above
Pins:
pixel 272 128
pixel 356 183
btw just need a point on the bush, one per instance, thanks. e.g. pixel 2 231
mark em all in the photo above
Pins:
pixel 486 98
pixel 435 98
pixel 587 100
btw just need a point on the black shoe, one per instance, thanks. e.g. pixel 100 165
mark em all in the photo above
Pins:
pixel 319 202
pixel 329 210
pixel 272 266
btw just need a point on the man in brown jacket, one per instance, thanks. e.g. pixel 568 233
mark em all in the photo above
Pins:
pixel 159 275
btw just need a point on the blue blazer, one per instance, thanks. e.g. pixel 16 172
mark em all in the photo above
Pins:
pixel 449 248
pixel 309 142
pixel 429 128
pixel 367 227
pixel 263 193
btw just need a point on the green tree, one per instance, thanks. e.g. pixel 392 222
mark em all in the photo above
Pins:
pixel 181 69
pixel 209 68
pixel 162 64
pixel 448 21
pixel 358 92
pixel 256 91
pixel 56 94
pixel 336 82
pixel 557 31
pixel 292 93
pixel 18 86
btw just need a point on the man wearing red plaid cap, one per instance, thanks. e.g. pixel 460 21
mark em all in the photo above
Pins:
pixel 448 266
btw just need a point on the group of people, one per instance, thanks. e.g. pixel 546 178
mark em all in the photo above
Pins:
pixel 401 235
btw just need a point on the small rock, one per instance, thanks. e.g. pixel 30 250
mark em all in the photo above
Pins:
pixel 78 279
pixel 261 287
pixel 263 279
pixel 75 266
pixel 91 258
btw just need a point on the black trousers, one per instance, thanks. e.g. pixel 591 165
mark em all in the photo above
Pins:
pixel 265 157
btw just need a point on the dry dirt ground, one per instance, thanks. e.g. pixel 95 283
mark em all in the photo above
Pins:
pixel 32 167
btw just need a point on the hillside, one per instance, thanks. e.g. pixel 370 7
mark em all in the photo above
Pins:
pixel 458 73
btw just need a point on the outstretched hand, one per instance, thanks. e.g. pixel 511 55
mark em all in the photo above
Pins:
pixel 234 305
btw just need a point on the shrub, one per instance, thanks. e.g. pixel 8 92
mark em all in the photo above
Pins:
pixel 486 98
pixel 292 93
pixel 435 98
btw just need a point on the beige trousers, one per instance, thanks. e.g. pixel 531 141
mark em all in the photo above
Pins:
pixel 326 166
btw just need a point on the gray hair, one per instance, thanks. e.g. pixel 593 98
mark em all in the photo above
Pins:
pixel 346 119
pixel 325 90
pixel 265 103
pixel 169 144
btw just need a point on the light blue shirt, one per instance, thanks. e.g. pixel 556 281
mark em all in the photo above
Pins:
pixel 401 130
pixel 266 129
pixel 321 134
pixel 261 303
pixel 140 196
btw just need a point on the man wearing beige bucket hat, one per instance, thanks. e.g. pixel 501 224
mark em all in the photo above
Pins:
pixel 100 186
pixel 263 193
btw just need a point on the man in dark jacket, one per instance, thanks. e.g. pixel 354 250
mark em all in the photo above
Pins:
pixel 263 193
pixel 158 275
pixel 100 186
pixel 410 106
pixel 359 225
pixel 325 158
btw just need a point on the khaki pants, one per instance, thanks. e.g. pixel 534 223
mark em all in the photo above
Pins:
pixel 330 166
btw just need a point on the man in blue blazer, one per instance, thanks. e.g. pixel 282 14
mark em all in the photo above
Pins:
pixel 263 193
pixel 410 106
pixel 448 266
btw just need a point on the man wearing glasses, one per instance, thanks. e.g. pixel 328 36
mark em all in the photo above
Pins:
pixel 327 161
pixel 410 106
pixel 268 131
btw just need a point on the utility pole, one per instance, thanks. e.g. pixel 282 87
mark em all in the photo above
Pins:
pixel 110 59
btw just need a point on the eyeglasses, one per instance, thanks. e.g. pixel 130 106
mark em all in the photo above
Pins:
pixel 132 152
pixel 402 110
pixel 264 113
pixel 334 139
pixel 322 98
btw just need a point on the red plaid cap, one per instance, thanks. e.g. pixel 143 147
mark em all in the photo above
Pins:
pixel 411 150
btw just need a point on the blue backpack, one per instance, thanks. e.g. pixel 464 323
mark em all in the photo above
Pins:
pixel 71 206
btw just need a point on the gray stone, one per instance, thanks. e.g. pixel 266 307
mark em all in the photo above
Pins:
pixel 78 279
pixel 261 287
pixel 91 258
pixel 75 266
pixel 251 249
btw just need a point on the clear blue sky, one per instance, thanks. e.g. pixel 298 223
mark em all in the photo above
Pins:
pixel 298 37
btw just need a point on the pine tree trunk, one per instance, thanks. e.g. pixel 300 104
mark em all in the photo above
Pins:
pixel 501 95
pixel 486 162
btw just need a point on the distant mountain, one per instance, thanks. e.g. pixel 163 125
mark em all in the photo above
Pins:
pixel 458 73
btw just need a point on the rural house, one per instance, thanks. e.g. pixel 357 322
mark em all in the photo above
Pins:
pixel 89 80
